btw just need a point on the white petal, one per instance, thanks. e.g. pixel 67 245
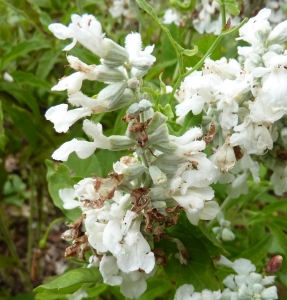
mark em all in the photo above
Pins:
pixel 60 31
pixel 63 119
pixel 83 149
pixel 68 196
pixel 211 209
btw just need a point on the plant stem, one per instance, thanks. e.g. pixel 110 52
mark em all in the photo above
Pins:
pixel 223 15
pixel 210 50
pixel 11 246
pixel 43 241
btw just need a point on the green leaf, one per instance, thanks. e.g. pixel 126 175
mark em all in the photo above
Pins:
pixel 72 279
pixel 280 204
pixel 30 79
pixel 280 237
pixel 155 288
pixel 190 52
pixel 160 68
pixel 47 63
pixel 167 111
pixel 259 251
pixel 84 167
pixel 199 271
pixel 183 4
pixel 22 96
pixel 97 290
pixel 23 48
pixel 23 121
pixel 23 297
pixel 231 6
pixel 58 177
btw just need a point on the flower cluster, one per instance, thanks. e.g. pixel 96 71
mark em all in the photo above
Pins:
pixel 123 215
pixel 243 105
pixel 245 285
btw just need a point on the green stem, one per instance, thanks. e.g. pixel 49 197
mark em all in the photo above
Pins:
pixel 12 249
pixel 43 241
pixel 210 50
pixel 80 8
pixel 223 15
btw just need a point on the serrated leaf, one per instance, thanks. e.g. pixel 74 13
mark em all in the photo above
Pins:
pixel 71 279
pixel 59 178
pixel 23 48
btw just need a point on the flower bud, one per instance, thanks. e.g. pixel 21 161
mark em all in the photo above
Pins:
pixel 112 92
pixel 134 171
pixel 157 176
pixel 114 52
pixel 126 98
pixel 227 235
pixel 157 120
pixel 225 158
pixel 118 142
pixel 133 83
pixel 136 108
pixel 103 73
pixel 274 264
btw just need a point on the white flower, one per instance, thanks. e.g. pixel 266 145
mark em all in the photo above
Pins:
pixel 68 196
pixel 141 60
pixel 171 16
pixel 64 118
pixel 248 31
pixel 241 266
pixel 86 29
pixel 196 204
pixel 136 253
pixel 83 149
pixel 186 292
pixel 109 270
